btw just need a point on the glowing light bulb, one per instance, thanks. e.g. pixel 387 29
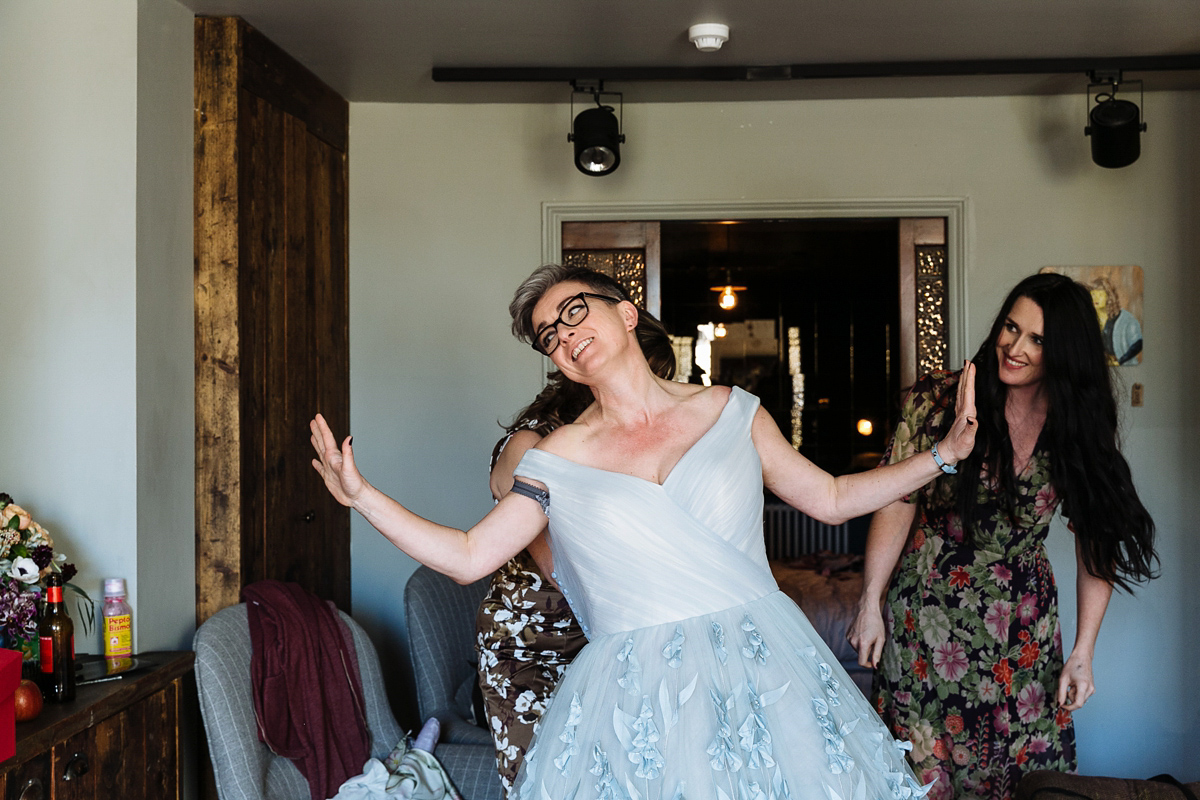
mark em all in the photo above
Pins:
pixel 720 331
pixel 727 298
pixel 865 427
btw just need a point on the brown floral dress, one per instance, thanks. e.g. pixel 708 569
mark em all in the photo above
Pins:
pixel 526 636
pixel 971 665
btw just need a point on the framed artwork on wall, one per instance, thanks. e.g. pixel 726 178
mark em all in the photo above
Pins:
pixel 1117 296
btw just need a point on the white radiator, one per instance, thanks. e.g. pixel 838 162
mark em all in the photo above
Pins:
pixel 790 533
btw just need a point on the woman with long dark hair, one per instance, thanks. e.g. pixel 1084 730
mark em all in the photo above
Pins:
pixel 525 632
pixel 972 670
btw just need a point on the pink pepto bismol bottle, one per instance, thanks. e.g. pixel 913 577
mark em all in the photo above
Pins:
pixel 118 621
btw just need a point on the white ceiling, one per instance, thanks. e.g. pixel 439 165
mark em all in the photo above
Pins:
pixel 384 50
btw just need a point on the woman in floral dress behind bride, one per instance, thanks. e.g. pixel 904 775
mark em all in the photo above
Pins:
pixel 972 670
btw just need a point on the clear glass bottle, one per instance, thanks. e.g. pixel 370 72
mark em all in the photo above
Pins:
pixel 118 625
pixel 56 635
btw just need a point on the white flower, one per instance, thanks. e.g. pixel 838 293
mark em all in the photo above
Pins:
pixel 928 555
pixel 934 625
pixel 921 734
pixel 988 691
pixel 525 701
pixel 969 598
pixel 24 570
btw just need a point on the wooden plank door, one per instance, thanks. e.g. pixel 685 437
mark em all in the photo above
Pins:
pixel 272 316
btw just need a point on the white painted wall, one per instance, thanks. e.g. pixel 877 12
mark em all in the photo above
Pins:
pixel 445 221
pixel 95 276
pixel 165 382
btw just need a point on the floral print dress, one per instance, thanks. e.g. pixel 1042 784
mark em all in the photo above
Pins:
pixel 973 655
pixel 527 636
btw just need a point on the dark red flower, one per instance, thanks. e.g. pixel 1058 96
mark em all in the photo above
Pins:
pixel 1062 717
pixel 1004 674
pixel 42 555
pixel 1029 655
pixel 959 577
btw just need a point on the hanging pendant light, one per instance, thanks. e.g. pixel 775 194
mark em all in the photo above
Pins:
pixel 728 293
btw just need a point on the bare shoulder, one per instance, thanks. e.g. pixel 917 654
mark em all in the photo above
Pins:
pixel 765 430
pixel 564 439
pixel 524 439
pixel 769 440
pixel 512 449
pixel 701 396
pixel 500 480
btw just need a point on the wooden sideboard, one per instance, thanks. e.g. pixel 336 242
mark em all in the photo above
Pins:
pixel 117 739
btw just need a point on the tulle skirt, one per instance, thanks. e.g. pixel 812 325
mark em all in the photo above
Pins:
pixel 742 704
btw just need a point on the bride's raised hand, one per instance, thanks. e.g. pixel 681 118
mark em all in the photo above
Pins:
pixel 336 465
pixel 960 440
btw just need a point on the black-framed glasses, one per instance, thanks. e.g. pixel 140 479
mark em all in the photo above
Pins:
pixel 546 340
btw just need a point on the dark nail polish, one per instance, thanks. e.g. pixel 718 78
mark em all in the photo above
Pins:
pixel 350 441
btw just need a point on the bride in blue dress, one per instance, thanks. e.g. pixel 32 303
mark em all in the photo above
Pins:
pixel 700 678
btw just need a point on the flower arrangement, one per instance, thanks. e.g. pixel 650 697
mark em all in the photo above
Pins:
pixel 26 557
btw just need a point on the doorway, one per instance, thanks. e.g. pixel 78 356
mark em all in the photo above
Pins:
pixel 810 324
pixel 950 338
pixel 925 264
pixel 931 276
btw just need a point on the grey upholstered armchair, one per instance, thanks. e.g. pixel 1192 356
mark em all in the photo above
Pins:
pixel 245 768
pixel 441 646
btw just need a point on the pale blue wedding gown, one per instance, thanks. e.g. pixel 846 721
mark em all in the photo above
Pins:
pixel 700 678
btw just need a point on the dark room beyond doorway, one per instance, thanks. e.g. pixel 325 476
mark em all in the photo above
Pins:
pixel 814 333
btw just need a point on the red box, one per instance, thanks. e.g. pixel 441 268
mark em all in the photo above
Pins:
pixel 10 676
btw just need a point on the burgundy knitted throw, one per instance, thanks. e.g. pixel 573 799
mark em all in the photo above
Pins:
pixel 307 693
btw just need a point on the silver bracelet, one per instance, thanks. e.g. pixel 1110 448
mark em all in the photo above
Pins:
pixel 949 469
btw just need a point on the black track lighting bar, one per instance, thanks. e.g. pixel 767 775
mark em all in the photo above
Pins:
pixel 878 69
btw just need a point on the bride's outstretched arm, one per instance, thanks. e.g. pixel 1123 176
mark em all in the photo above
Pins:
pixel 803 484
pixel 465 556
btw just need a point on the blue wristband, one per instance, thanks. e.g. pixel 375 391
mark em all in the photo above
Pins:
pixel 942 465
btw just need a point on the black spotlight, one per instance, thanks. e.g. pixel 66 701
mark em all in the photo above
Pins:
pixel 1115 127
pixel 597 135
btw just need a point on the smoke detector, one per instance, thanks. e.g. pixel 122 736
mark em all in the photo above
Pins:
pixel 708 36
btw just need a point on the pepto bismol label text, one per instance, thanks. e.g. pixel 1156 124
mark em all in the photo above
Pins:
pixel 118 636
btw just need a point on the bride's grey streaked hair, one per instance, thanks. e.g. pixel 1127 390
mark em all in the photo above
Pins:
pixel 545 278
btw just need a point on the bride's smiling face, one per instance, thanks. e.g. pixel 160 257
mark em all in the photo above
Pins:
pixel 570 318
